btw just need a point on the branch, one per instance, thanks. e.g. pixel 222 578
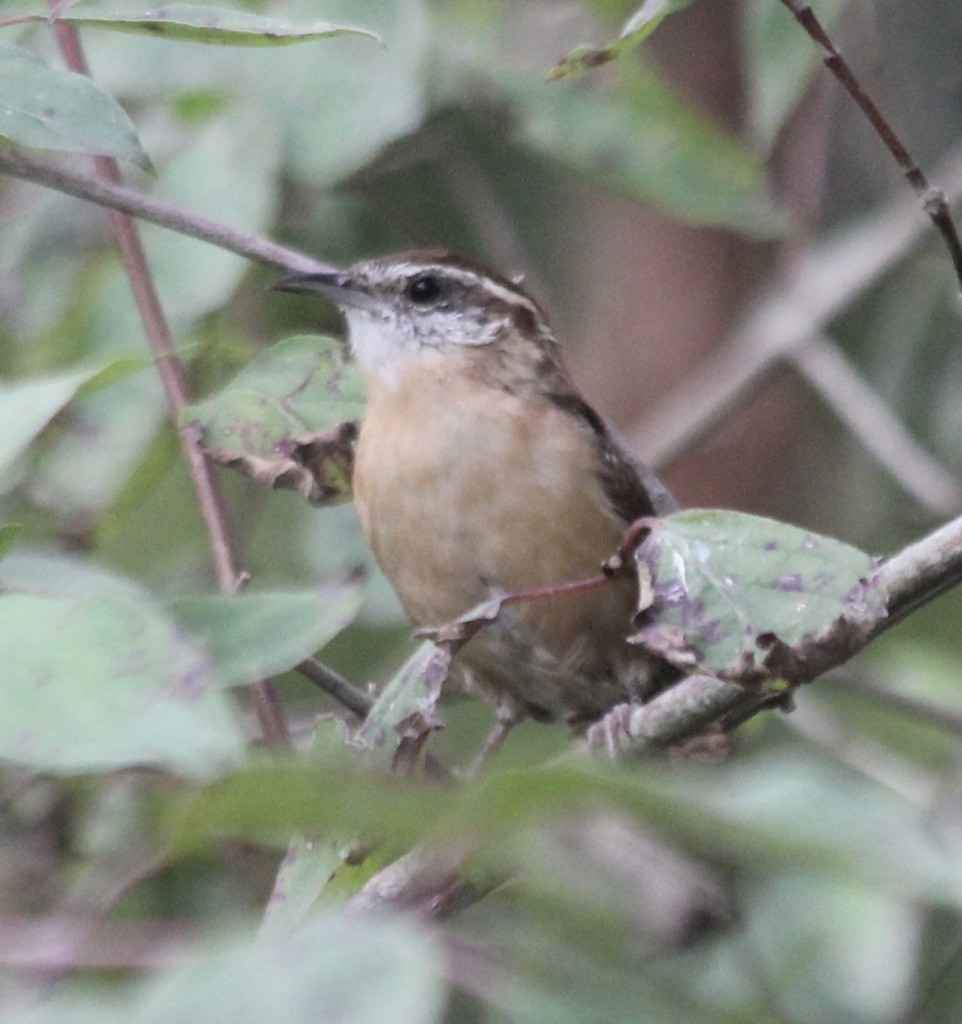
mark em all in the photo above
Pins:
pixel 911 578
pixel 115 196
pixel 174 381
pixel 336 686
pixel 44 945
pixel 934 201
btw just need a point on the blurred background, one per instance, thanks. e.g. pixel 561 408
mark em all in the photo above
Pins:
pixel 744 284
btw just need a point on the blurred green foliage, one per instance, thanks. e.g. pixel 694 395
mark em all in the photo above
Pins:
pixel 814 877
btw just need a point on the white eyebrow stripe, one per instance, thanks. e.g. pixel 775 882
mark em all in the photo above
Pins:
pixel 499 291
pixel 468 277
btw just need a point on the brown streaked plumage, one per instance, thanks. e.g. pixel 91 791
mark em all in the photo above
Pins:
pixel 480 470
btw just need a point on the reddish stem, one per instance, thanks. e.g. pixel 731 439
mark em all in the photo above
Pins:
pixel 174 382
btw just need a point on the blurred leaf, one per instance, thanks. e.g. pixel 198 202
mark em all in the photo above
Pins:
pixel 59 575
pixel 99 682
pixel 26 407
pixel 9 533
pixel 780 61
pixel 53 109
pixel 371 96
pixel 558 977
pixel 308 866
pixel 644 141
pixel 635 30
pixel 334 969
pixel 766 814
pixel 339 970
pixel 288 419
pixel 253 635
pixel 737 595
pixel 229 173
pixel 838 950
pixel 941 1001
pixel 82 465
pixel 198 23
pixel 405 710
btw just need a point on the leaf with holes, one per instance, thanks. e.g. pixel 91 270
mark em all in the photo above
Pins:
pixel 52 109
pixel 197 23
pixel 288 420
pixel 404 715
pixel 750 599
pixel 635 30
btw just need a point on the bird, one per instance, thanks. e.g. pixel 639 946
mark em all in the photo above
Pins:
pixel 480 471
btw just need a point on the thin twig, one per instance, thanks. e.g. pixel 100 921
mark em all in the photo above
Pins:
pixel 17 19
pixel 334 684
pixel 934 201
pixel 174 381
pixel 862 410
pixel 48 944
pixel 116 196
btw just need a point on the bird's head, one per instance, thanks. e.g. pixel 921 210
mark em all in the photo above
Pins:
pixel 399 306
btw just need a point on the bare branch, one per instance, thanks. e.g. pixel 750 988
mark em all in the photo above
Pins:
pixel 334 684
pixel 934 201
pixel 50 944
pixel 115 196
pixel 174 381
pixel 923 571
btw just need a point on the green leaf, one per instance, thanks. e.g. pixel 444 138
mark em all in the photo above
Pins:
pixel 27 407
pixel 196 278
pixel 288 419
pixel 100 682
pixel 53 109
pixel 335 969
pixel 770 814
pixel 635 30
pixel 371 96
pixel 9 533
pixel 405 710
pixel 308 866
pixel 217 25
pixel 332 969
pixel 736 595
pixel 252 635
pixel 780 61
pixel 642 140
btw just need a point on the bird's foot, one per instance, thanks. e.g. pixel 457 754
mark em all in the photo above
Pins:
pixel 612 733
pixel 626 728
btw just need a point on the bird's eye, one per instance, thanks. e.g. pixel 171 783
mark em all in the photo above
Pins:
pixel 423 289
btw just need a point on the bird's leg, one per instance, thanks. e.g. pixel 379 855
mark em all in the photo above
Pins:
pixel 509 712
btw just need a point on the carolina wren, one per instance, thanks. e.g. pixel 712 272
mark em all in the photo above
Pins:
pixel 481 471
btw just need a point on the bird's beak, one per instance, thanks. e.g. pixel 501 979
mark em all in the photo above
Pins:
pixel 338 286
